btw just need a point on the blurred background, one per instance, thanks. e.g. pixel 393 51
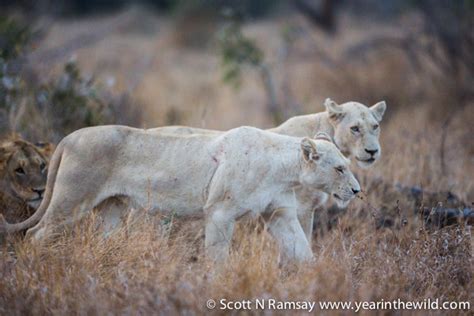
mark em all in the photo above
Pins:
pixel 222 63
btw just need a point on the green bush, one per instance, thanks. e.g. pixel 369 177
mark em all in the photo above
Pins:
pixel 236 51
pixel 71 102
pixel 14 38
pixel 53 109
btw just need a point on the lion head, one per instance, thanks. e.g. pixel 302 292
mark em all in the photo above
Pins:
pixel 23 169
pixel 357 129
pixel 326 169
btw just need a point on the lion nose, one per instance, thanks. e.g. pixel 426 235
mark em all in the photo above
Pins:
pixel 39 191
pixel 355 191
pixel 371 152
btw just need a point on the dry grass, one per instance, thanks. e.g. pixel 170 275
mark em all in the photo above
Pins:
pixel 163 270
pixel 152 271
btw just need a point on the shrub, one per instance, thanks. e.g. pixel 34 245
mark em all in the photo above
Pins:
pixel 71 102
pixel 61 105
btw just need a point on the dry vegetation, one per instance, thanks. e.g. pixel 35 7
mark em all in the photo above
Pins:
pixel 161 268
pixel 160 271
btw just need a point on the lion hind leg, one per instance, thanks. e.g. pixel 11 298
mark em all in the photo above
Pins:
pixel 58 218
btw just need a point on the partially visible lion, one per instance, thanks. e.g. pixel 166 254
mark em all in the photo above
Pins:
pixel 23 170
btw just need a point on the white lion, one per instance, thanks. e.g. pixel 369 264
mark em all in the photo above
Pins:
pixel 243 171
pixel 354 128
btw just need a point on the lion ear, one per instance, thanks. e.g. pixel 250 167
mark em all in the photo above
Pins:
pixel 308 148
pixel 323 136
pixel 3 155
pixel 46 148
pixel 5 152
pixel 378 110
pixel 335 111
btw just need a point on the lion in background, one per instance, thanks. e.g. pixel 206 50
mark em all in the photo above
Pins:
pixel 23 170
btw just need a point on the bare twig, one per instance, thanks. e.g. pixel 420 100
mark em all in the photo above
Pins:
pixel 273 106
pixel 323 17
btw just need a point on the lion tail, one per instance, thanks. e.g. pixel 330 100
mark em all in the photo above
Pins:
pixel 8 228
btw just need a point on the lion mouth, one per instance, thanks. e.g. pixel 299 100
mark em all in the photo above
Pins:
pixel 369 160
pixel 34 202
pixel 340 202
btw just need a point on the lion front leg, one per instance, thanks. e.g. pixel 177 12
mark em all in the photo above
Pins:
pixel 309 202
pixel 286 229
pixel 219 229
pixel 306 218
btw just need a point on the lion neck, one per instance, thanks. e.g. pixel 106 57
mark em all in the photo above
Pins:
pixel 306 125
pixel 323 124
pixel 290 162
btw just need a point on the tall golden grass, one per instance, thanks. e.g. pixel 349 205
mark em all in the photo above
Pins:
pixel 158 271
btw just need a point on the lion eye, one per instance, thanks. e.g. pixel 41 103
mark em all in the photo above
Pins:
pixel 355 129
pixel 20 170
pixel 340 170
pixel 42 166
pixel 376 126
